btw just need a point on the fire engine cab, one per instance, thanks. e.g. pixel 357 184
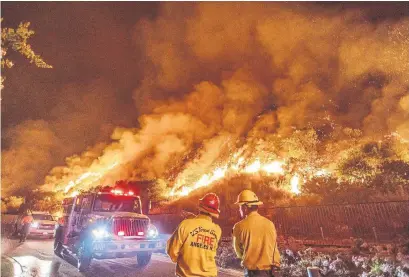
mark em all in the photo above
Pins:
pixel 106 224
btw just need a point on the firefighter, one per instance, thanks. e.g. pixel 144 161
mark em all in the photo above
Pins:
pixel 194 243
pixel 255 238
pixel 26 221
pixel 61 221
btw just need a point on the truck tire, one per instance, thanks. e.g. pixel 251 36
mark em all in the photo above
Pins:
pixel 143 258
pixel 58 242
pixel 84 257
pixel 58 248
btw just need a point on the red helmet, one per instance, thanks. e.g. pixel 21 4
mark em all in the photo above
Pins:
pixel 210 204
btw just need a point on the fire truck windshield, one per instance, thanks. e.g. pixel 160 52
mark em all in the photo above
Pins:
pixel 42 217
pixel 117 203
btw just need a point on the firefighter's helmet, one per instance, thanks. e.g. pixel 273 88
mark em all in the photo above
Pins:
pixel 210 204
pixel 249 198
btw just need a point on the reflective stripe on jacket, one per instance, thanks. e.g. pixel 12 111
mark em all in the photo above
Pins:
pixel 255 242
pixel 193 247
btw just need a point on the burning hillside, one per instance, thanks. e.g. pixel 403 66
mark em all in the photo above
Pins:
pixel 283 90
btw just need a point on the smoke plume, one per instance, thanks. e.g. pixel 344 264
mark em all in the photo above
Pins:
pixel 257 81
pixel 85 115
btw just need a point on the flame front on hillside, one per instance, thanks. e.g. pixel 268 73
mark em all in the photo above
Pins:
pixel 302 99
pixel 270 168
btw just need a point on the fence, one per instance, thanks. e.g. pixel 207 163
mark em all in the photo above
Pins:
pixel 382 221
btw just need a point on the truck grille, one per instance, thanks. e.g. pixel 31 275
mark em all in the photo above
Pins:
pixel 130 226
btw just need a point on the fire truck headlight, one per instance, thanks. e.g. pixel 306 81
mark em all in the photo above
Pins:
pixel 34 224
pixel 100 233
pixel 152 231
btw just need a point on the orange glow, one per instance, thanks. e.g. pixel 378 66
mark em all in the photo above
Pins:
pixel 254 167
pixel 88 178
pixel 275 167
pixel 295 184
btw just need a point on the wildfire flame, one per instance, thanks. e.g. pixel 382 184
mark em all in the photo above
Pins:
pixel 295 184
pixel 276 167
pixel 88 178
pixel 254 167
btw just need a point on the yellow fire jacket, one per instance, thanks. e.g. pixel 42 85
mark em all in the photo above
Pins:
pixel 193 247
pixel 255 242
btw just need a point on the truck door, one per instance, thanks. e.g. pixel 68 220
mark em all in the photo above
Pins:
pixel 84 212
pixel 73 217
pixel 67 209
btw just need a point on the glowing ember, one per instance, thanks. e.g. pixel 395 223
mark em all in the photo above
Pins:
pixel 238 164
pixel 185 191
pixel 204 181
pixel 295 182
pixel 254 167
pixel 322 172
pixel 274 167
pixel 218 173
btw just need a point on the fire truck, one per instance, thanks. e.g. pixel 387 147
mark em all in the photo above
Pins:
pixel 106 224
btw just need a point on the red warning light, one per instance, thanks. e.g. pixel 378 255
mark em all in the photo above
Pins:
pixel 117 191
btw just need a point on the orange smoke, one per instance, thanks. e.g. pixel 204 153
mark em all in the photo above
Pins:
pixel 257 88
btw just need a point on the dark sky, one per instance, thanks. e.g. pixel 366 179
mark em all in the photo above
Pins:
pixel 84 41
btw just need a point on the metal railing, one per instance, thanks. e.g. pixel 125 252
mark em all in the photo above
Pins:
pixel 380 221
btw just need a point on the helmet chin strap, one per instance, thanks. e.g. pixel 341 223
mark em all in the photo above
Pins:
pixel 249 208
pixel 242 213
pixel 202 212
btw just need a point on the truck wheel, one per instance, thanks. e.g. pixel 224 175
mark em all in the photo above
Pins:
pixel 58 248
pixel 143 258
pixel 84 257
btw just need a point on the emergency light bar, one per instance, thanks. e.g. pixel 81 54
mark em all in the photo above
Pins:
pixel 120 192
pixel 116 191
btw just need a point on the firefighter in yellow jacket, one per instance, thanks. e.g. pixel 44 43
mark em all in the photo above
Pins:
pixel 194 243
pixel 255 238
